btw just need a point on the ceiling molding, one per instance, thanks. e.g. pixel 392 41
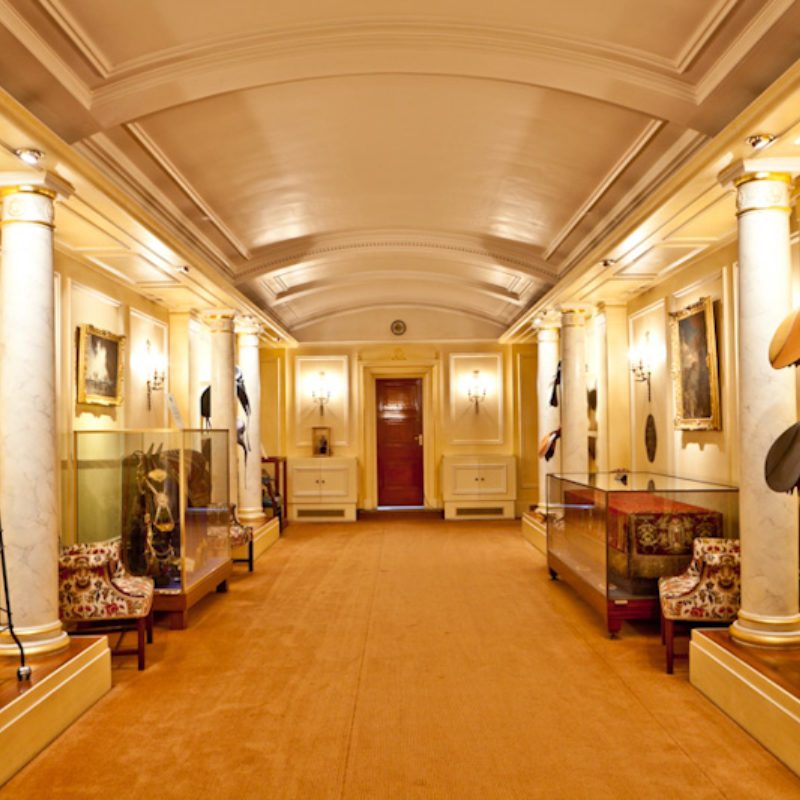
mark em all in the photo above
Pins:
pixel 119 168
pixel 14 22
pixel 511 256
pixel 313 287
pixel 147 143
pixel 753 32
pixel 82 42
pixel 628 157
pixel 587 68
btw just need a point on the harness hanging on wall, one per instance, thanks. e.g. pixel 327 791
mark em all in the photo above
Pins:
pixel 556 384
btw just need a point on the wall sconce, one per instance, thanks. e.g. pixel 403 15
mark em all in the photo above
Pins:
pixel 156 373
pixel 476 390
pixel 321 393
pixel 641 361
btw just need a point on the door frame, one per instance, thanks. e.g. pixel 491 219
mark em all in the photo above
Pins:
pixel 428 371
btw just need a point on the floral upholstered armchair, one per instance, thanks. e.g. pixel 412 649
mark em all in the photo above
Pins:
pixel 96 590
pixel 707 593
pixel 241 536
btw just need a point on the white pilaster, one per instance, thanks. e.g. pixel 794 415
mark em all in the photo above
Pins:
pixel 28 455
pixel 248 331
pixel 223 394
pixel 767 520
pixel 574 420
pixel 549 416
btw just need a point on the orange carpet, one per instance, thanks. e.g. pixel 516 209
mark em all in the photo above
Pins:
pixel 402 660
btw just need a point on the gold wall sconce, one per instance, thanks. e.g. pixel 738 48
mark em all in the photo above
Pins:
pixel 321 392
pixel 156 373
pixel 476 390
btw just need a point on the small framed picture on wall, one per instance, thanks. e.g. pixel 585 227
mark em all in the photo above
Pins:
pixel 101 359
pixel 321 441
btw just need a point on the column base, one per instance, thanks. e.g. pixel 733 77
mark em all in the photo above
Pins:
pixel 35 640
pixel 766 632
pixel 252 516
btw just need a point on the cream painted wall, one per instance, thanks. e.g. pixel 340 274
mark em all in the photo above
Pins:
pixel 451 425
pixel 703 455
pixel 88 296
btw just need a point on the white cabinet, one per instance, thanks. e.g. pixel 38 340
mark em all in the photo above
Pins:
pixel 479 487
pixel 322 489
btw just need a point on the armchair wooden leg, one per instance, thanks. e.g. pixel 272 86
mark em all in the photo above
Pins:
pixel 250 556
pixel 661 626
pixel 149 619
pixel 141 626
pixel 669 635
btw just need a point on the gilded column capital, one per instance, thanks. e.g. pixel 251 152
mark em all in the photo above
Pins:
pixel 219 320
pixel 574 314
pixel 249 330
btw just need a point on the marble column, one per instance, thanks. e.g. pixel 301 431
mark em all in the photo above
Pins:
pixel 767 520
pixel 223 394
pixel 249 331
pixel 549 416
pixel 28 452
pixel 574 420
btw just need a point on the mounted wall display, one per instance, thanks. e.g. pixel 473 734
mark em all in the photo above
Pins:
pixel 695 375
pixel 101 359
pixel 650 438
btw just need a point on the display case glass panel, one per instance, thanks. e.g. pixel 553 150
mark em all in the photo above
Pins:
pixel 613 535
pixel 164 493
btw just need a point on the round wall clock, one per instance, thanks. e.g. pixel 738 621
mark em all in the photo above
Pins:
pixel 650 438
pixel 398 327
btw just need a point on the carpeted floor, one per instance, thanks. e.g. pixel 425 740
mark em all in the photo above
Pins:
pixel 402 660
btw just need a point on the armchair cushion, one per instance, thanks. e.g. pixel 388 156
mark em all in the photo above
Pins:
pixel 94 585
pixel 710 587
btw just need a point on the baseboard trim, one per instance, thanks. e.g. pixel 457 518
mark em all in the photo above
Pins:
pixel 767 711
pixel 37 716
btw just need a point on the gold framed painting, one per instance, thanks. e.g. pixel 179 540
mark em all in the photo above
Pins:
pixel 695 370
pixel 101 360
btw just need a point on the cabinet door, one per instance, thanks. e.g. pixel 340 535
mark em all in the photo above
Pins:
pixel 305 483
pixel 466 479
pixel 334 482
pixel 493 479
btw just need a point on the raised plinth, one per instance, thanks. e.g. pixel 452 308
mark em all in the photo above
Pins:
pixel 758 687
pixel 263 538
pixel 534 530
pixel 62 686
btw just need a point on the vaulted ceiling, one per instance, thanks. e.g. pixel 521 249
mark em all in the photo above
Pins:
pixel 355 160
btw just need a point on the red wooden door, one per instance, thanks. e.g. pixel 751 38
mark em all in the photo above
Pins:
pixel 399 404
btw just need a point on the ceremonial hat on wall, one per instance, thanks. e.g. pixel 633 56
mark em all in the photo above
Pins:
pixel 784 349
pixel 782 467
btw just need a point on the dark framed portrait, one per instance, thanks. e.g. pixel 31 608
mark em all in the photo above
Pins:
pixel 101 358
pixel 695 370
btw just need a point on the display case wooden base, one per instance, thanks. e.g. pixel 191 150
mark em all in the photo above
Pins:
pixel 176 604
pixel 614 612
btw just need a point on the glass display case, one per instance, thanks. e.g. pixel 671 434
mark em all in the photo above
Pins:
pixel 164 494
pixel 611 536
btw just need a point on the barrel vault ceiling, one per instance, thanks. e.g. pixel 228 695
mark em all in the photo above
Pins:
pixel 358 157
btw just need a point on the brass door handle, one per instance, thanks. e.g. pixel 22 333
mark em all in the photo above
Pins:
pixel 418 437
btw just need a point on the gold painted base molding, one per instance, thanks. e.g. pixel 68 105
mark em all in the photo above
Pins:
pixel 534 530
pixel 56 697
pixel 263 538
pixel 767 710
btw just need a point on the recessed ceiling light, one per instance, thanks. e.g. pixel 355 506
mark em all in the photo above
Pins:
pixel 758 141
pixel 608 262
pixel 30 155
